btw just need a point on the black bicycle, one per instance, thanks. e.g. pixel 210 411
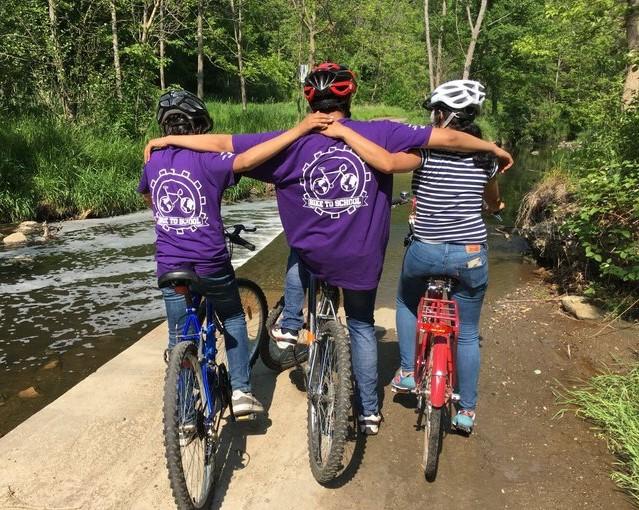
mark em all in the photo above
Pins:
pixel 331 411
pixel 197 389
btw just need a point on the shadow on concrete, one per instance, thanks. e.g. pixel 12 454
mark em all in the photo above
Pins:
pixel 232 454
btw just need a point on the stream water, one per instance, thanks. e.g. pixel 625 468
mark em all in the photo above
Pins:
pixel 73 303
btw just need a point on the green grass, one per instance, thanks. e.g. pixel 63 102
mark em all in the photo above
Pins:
pixel 52 169
pixel 610 401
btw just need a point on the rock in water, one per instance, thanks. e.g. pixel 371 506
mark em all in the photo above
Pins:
pixel 30 392
pixel 15 238
pixel 27 227
pixel 580 308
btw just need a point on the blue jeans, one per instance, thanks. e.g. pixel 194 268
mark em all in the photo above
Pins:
pixel 359 306
pixel 221 289
pixel 471 272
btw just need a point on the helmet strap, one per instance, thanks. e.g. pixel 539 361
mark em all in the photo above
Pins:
pixel 449 119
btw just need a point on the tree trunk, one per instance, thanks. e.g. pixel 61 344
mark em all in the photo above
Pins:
pixel 162 35
pixel 440 43
pixel 147 20
pixel 311 39
pixel 631 86
pixel 429 47
pixel 473 38
pixel 57 60
pixel 200 51
pixel 116 50
pixel 237 30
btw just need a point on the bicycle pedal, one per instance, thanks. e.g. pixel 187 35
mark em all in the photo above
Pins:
pixel 246 417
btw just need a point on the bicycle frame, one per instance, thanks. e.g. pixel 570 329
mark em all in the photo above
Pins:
pixel 325 311
pixel 436 341
pixel 207 349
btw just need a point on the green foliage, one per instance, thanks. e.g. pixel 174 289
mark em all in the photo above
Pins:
pixel 610 402
pixel 53 168
pixel 606 224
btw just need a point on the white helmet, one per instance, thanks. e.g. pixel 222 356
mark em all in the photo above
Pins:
pixel 457 95
pixel 463 97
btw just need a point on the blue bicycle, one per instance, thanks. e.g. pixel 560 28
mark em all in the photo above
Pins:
pixel 197 390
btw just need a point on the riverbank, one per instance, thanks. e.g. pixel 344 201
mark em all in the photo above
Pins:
pixel 100 445
pixel 54 169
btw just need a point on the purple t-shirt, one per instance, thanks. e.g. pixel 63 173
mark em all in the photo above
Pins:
pixel 186 189
pixel 335 209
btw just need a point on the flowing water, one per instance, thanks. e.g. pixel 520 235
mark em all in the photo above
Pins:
pixel 73 303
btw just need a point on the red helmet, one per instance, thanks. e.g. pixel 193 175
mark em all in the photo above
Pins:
pixel 329 85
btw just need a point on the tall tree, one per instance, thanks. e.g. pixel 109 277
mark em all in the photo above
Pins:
pixel 162 36
pixel 58 63
pixel 200 50
pixel 236 11
pixel 429 46
pixel 631 85
pixel 475 29
pixel 116 50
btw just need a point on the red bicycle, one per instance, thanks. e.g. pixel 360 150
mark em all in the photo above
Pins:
pixel 435 349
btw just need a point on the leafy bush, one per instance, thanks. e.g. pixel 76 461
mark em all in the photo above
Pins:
pixel 606 223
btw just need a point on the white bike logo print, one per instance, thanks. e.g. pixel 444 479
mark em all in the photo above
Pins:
pixel 179 202
pixel 170 200
pixel 334 182
pixel 347 181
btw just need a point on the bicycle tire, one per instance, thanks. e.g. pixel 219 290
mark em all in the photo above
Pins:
pixel 255 310
pixel 331 339
pixel 272 356
pixel 186 430
pixel 433 429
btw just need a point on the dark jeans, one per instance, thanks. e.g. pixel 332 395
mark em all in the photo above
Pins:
pixel 359 306
pixel 221 289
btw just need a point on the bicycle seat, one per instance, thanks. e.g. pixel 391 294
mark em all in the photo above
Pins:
pixel 179 277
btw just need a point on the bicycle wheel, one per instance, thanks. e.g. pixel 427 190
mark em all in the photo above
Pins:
pixel 329 400
pixel 273 357
pixel 255 312
pixel 189 450
pixel 433 426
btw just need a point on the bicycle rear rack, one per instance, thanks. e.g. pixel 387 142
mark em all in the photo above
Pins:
pixel 438 316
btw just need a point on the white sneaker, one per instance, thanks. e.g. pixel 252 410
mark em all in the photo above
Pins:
pixel 284 338
pixel 369 425
pixel 245 403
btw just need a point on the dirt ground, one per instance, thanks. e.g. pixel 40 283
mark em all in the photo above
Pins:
pixel 100 445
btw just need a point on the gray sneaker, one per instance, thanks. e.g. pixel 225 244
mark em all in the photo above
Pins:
pixel 245 403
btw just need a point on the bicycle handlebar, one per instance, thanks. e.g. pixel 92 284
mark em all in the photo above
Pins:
pixel 234 235
pixel 403 199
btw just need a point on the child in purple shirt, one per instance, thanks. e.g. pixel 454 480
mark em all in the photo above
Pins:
pixel 335 210
pixel 184 188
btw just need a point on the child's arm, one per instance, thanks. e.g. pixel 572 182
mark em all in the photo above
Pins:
pixel 376 156
pixel 200 143
pixel 386 162
pixel 452 140
pixel 491 196
pixel 264 151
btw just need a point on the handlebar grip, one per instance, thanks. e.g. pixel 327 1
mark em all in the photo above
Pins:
pixel 235 239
